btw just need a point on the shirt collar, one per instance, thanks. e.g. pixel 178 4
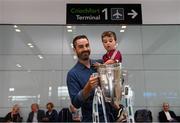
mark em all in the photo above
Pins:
pixel 82 66
pixel 111 51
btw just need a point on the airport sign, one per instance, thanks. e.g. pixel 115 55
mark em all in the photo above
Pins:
pixel 103 14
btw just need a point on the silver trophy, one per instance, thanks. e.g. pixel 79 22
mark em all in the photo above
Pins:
pixel 111 81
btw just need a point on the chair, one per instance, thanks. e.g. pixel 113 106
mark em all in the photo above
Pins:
pixel 2 119
pixel 143 115
pixel 65 115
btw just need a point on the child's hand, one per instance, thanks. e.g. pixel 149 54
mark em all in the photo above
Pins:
pixel 110 61
pixel 96 65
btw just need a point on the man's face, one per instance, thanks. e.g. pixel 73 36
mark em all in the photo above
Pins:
pixel 34 108
pixel 82 49
pixel 15 110
pixel 49 108
pixel 166 107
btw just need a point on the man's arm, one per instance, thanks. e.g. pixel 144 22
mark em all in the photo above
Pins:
pixel 75 91
pixel 77 94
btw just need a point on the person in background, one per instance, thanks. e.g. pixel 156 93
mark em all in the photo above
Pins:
pixel 14 115
pixel 81 83
pixel 51 114
pixel 167 115
pixel 36 115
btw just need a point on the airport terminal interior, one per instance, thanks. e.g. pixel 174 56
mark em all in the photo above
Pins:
pixel 35 59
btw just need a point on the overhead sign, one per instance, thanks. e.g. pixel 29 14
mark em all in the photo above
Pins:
pixel 103 14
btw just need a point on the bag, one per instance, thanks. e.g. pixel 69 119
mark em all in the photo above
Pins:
pixel 143 115
pixel 65 115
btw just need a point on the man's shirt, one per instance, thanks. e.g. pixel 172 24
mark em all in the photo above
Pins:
pixel 77 78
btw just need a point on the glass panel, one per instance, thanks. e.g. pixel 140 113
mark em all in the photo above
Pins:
pixel 34 61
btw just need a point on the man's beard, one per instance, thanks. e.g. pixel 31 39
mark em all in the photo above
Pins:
pixel 84 55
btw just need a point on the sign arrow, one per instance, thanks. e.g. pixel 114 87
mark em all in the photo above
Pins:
pixel 134 14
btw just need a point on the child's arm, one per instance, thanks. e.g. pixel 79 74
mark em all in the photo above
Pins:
pixel 110 61
pixel 96 65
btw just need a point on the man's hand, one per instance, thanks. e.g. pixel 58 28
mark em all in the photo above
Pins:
pixel 91 84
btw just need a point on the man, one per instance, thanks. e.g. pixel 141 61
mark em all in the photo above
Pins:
pixel 14 115
pixel 167 115
pixel 36 115
pixel 81 84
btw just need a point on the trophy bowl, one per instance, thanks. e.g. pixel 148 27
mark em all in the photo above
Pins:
pixel 111 81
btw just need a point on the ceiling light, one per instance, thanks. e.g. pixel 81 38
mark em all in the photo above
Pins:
pixel 50 88
pixel 121 30
pixel 40 56
pixel 75 57
pixel 18 65
pixel 38 96
pixel 72 45
pixel 11 89
pixel 69 30
pixel 31 46
pixel 69 27
pixel 123 27
pixel 15 26
pixel 17 30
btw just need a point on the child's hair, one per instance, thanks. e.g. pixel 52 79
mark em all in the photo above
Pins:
pixel 109 34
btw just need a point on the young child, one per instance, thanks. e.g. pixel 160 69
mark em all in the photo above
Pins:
pixel 112 55
pixel 109 41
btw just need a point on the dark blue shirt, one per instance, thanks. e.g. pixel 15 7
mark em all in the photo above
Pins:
pixel 77 78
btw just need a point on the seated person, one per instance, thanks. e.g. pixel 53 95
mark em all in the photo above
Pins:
pixel 14 115
pixel 167 115
pixel 51 114
pixel 36 115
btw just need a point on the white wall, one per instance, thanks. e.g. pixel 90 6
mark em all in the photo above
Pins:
pixel 54 11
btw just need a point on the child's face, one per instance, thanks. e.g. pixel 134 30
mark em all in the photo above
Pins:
pixel 109 43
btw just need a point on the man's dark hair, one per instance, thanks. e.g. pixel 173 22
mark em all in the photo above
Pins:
pixel 109 34
pixel 77 38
